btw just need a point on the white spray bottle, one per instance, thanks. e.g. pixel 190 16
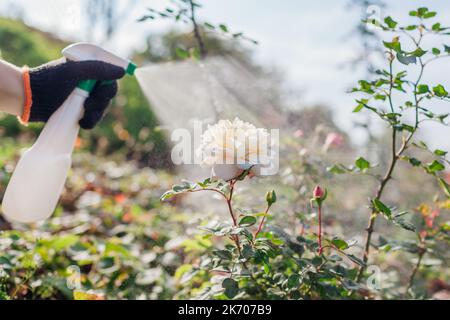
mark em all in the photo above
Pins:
pixel 38 179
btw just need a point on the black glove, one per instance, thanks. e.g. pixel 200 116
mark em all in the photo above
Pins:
pixel 52 83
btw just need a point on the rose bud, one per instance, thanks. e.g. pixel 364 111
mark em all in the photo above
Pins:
pixel 318 193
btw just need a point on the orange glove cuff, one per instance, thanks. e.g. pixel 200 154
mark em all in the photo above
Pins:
pixel 28 96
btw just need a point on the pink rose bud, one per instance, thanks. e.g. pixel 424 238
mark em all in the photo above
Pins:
pixel 333 139
pixel 318 192
pixel 299 133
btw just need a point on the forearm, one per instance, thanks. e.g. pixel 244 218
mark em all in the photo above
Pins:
pixel 11 89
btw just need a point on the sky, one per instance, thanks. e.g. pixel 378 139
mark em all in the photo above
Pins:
pixel 310 42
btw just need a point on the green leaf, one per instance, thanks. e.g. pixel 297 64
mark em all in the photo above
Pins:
pixel 440 91
pixel 63 242
pixel 247 234
pixel 421 11
pixel 167 195
pixel 392 115
pixel 244 174
pixel 231 288
pixel 429 15
pixel 223 254
pixel 247 221
pixel 365 87
pixel 404 224
pixel 339 243
pixel 394 45
pixel 356 260
pixel 181 187
pixel 362 164
pixel 209 26
pixel 293 281
pixel 422 89
pixel 380 97
pixel 440 153
pixel 247 251
pixel 205 183
pixel 421 144
pixel 145 18
pixel 178 188
pixel 382 208
pixel 445 186
pixel 415 162
pixel 435 166
pixel 317 261
pixel 107 264
pixel 411 27
pixel 406 127
pixel 358 108
pixel 436 51
pixel 337 169
pixel 261 214
pixel 223 27
pixel 419 52
pixel 112 247
pixel 446 226
pixel 442 117
pixel 436 26
pixel 181 53
pixel 390 22
pixel 271 198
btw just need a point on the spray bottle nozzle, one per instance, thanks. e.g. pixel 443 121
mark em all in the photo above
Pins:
pixel 131 68
pixel 86 51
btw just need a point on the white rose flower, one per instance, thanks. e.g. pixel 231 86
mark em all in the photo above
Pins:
pixel 232 147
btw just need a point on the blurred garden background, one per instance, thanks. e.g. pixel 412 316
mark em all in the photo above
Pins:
pixel 112 238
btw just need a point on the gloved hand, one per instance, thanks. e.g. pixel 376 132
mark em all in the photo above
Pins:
pixel 52 83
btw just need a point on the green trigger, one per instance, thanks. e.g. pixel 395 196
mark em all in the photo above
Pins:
pixel 88 85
